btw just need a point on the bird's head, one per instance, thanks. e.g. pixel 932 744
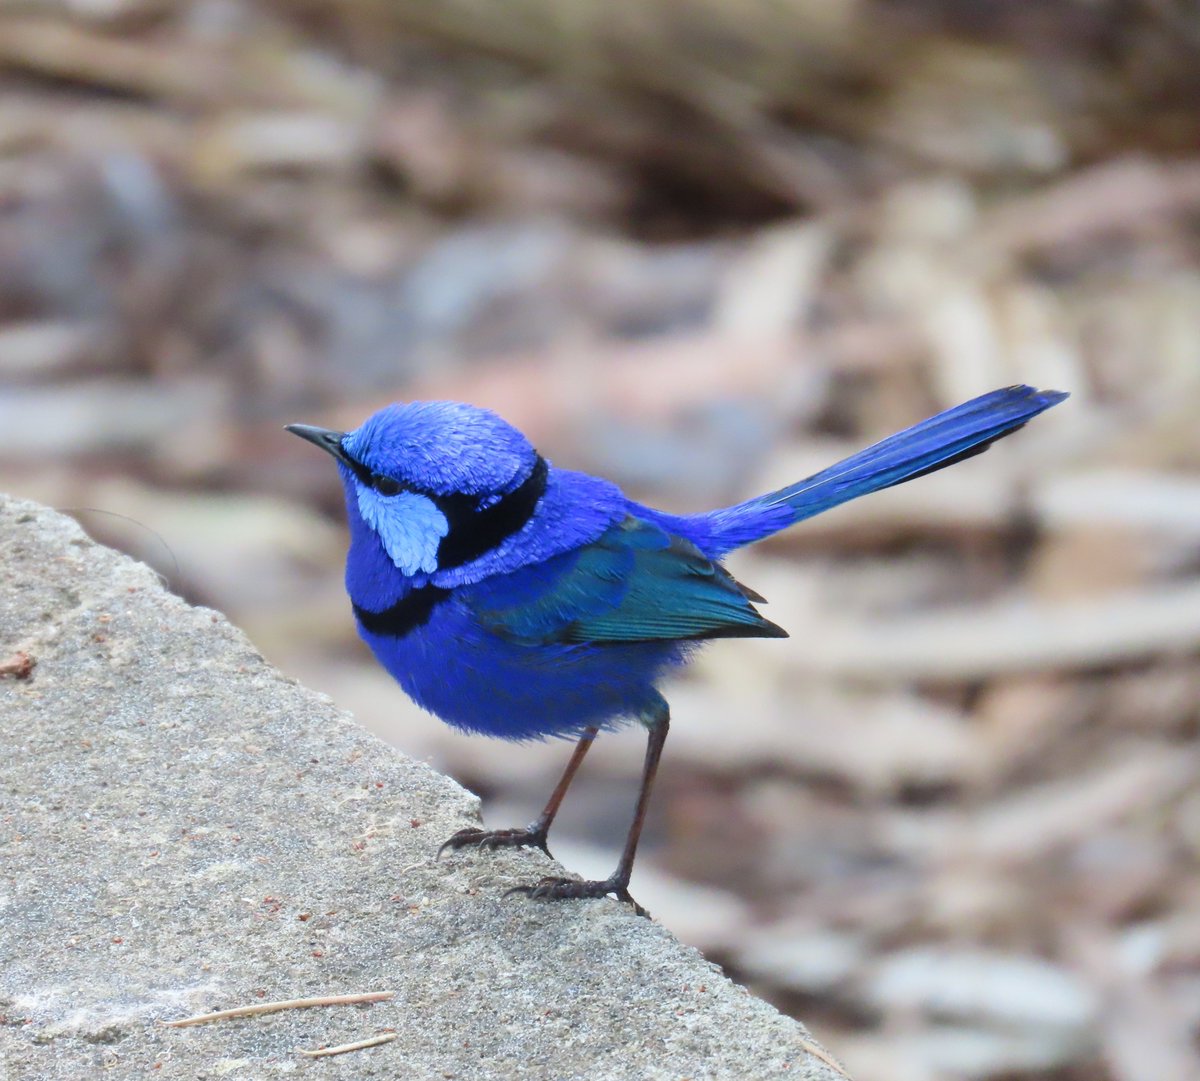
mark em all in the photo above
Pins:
pixel 440 483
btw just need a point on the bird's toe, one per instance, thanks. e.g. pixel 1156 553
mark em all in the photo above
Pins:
pixel 491 839
pixel 554 888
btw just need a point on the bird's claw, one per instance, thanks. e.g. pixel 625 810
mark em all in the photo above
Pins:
pixel 571 889
pixel 489 839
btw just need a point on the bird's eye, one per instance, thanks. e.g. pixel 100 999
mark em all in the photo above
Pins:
pixel 386 485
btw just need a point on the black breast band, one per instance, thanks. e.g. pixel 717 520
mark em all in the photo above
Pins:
pixel 409 612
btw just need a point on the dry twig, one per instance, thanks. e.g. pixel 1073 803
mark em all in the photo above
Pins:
pixel 342 1048
pixel 824 1056
pixel 273 1007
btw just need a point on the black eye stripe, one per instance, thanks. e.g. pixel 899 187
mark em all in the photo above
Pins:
pixel 363 474
pixel 381 482
pixel 385 485
pixel 378 482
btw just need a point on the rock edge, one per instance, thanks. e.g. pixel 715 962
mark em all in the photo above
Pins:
pixel 183 829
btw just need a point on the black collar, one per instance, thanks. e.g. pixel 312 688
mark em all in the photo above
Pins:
pixel 474 531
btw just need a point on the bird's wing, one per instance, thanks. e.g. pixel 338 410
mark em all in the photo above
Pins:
pixel 635 583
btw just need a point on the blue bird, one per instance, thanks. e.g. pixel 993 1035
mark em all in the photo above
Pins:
pixel 516 599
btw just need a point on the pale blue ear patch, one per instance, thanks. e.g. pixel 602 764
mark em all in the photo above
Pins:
pixel 409 525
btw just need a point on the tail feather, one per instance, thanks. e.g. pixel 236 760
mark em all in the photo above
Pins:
pixel 942 440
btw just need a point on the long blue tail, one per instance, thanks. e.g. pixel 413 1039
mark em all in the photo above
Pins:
pixel 942 440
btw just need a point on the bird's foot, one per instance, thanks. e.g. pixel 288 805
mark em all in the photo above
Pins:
pixel 570 889
pixel 530 837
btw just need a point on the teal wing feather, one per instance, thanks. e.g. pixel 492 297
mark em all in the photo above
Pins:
pixel 635 583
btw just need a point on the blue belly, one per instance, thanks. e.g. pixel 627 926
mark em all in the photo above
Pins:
pixel 478 682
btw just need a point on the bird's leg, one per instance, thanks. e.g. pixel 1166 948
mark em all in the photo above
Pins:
pixel 535 834
pixel 563 889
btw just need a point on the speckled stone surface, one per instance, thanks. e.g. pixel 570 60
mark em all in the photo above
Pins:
pixel 182 829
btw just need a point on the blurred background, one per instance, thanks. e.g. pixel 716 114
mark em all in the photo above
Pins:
pixel 704 247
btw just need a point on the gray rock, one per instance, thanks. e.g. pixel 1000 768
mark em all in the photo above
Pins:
pixel 182 829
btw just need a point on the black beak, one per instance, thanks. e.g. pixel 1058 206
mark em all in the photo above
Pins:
pixel 329 441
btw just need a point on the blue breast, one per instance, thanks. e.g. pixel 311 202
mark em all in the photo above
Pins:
pixel 473 680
